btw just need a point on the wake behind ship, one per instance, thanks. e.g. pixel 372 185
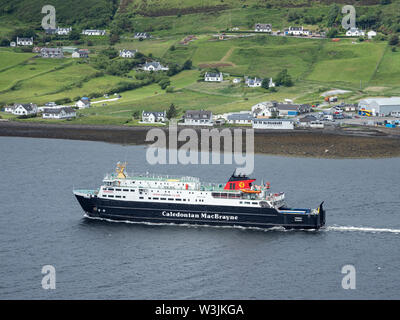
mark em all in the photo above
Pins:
pixel 185 200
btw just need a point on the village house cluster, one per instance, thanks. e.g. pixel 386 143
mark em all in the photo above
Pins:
pixel 59 31
pixel 248 81
pixel 59 52
pixel 49 110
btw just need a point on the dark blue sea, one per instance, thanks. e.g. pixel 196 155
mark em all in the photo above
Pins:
pixel 41 224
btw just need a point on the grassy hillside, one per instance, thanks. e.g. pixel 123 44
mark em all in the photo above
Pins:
pixel 316 65
pixel 93 13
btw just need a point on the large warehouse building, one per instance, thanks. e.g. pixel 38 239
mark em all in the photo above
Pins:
pixel 381 106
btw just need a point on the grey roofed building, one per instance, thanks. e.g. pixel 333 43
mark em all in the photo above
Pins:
pixel 25 109
pixel 50 30
pixel 127 53
pixel 301 108
pixel 142 35
pixel 212 74
pixel 156 113
pixel 308 118
pixel 240 117
pixel 154 66
pixel 380 106
pixel 198 114
pixel 58 110
pixel 266 27
pixel 51 53
pixel 27 106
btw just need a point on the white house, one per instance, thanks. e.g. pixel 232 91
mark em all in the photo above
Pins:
pixel 271 83
pixel 9 108
pixel 354 32
pixel 63 31
pixel 261 27
pixel 213 77
pixel 51 53
pixel 48 105
pixel 237 80
pixel 240 118
pixel 256 82
pixel 59 113
pixel 23 109
pixel 25 41
pixel 81 53
pixel 93 32
pixel 83 103
pixel 154 66
pixel 198 118
pixel 12 44
pixel 153 116
pixel 265 109
pixel 127 53
pixel 142 35
pixel 310 121
pixel 297 31
pixel 371 34
pixel 275 124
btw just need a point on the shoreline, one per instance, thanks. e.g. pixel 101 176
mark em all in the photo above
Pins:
pixel 338 143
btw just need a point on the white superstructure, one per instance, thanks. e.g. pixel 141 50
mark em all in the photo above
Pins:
pixel 185 190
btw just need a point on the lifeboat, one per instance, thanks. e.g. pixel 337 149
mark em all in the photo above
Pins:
pixel 250 191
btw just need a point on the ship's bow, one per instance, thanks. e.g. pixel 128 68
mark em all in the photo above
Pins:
pixel 87 200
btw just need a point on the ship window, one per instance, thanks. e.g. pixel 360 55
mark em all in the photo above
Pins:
pixel 170 199
pixel 241 202
pixel 155 198
pixel 111 196
pixel 125 189
pixel 140 197
pixel 118 196
pixel 184 199
pixel 178 199
pixel 110 189
pixel 149 198
pixel 247 202
pixel 254 202
pixel 132 190
pixel 123 197
pixel 117 189
pixel 163 199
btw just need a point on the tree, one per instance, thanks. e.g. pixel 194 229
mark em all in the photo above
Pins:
pixel 163 83
pixel 114 38
pixel 172 111
pixel 172 48
pixel 333 32
pixel 265 83
pixel 332 14
pixel 187 65
pixel 110 53
pixel 4 42
pixel 283 79
pixel 74 34
pixel 173 69
pixel 136 115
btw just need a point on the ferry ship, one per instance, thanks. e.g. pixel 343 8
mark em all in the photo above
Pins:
pixel 186 200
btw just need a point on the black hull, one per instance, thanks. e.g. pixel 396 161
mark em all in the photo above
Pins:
pixel 172 213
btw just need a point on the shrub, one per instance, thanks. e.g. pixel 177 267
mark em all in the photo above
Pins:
pixel 394 40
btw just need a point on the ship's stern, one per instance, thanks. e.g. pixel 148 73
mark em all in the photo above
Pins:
pixel 303 218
